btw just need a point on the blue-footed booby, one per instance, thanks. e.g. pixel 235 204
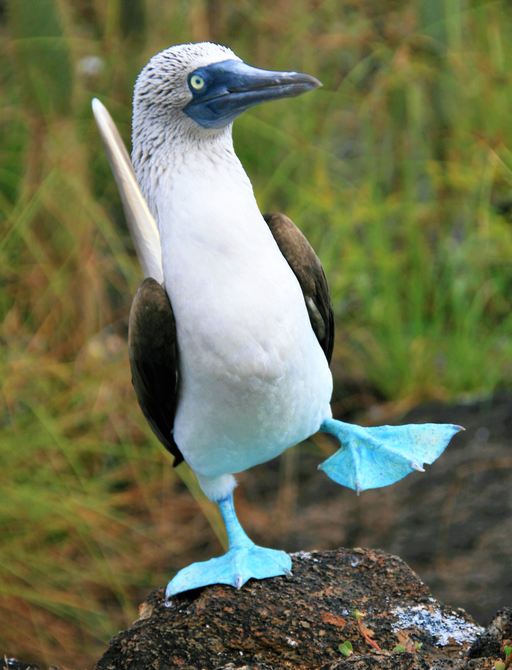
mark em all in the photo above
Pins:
pixel 231 333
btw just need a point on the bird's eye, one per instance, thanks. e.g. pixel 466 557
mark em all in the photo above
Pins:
pixel 197 82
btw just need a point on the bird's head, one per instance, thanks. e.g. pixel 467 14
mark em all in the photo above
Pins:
pixel 200 88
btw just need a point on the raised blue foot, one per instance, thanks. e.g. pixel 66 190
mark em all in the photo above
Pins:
pixel 244 560
pixel 373 457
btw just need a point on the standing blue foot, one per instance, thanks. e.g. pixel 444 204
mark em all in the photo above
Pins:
pixel 373 457
pixel 244 560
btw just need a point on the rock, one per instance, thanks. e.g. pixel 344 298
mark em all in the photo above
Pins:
pixel 497 633
pixel 367 602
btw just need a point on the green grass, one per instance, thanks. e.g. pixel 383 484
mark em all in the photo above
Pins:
pixel 399 171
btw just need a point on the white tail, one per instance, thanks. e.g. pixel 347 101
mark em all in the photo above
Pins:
pixel 141 223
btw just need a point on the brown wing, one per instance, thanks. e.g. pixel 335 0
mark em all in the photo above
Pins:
pixel 310 274
pixel 153 353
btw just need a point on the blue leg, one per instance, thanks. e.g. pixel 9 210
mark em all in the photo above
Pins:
pixel 243 560
pixel 373 457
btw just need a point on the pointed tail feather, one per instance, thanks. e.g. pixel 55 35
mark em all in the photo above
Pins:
pixel 141 223
pixel 379 456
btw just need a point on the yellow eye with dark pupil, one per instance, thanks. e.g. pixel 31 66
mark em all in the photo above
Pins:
pixel 196 82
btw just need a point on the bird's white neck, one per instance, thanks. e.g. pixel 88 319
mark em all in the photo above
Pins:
pixel 196 187
pixel 162 153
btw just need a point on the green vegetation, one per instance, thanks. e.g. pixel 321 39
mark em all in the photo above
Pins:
pixel 399 171
pixel 346 648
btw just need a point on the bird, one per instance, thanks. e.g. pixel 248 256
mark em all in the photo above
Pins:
pixel 231 331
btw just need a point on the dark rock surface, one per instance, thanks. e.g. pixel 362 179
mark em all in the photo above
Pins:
pixel 498 632
pixel 368 598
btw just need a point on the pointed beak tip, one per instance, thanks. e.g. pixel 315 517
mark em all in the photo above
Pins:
pixel 308 81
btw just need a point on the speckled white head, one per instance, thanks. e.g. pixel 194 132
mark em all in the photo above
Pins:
pixel 162 90
pixel 161 94
pixel 189 94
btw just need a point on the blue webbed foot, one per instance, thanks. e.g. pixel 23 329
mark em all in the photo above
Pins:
pixel 379 456
pixel 243 561
pixel 234 568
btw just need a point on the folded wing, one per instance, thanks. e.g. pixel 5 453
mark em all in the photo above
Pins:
pixel 309 272
pixel 153 353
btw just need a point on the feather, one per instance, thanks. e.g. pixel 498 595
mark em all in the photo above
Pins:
pixel 143 228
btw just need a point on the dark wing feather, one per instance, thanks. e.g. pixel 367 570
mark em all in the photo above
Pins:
pixel 153 352
pixel 310 274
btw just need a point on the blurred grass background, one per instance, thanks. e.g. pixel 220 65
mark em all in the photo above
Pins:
pixel 399 171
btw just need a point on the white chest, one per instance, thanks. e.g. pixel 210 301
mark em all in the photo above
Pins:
pixel 254 380
pixel 232 291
